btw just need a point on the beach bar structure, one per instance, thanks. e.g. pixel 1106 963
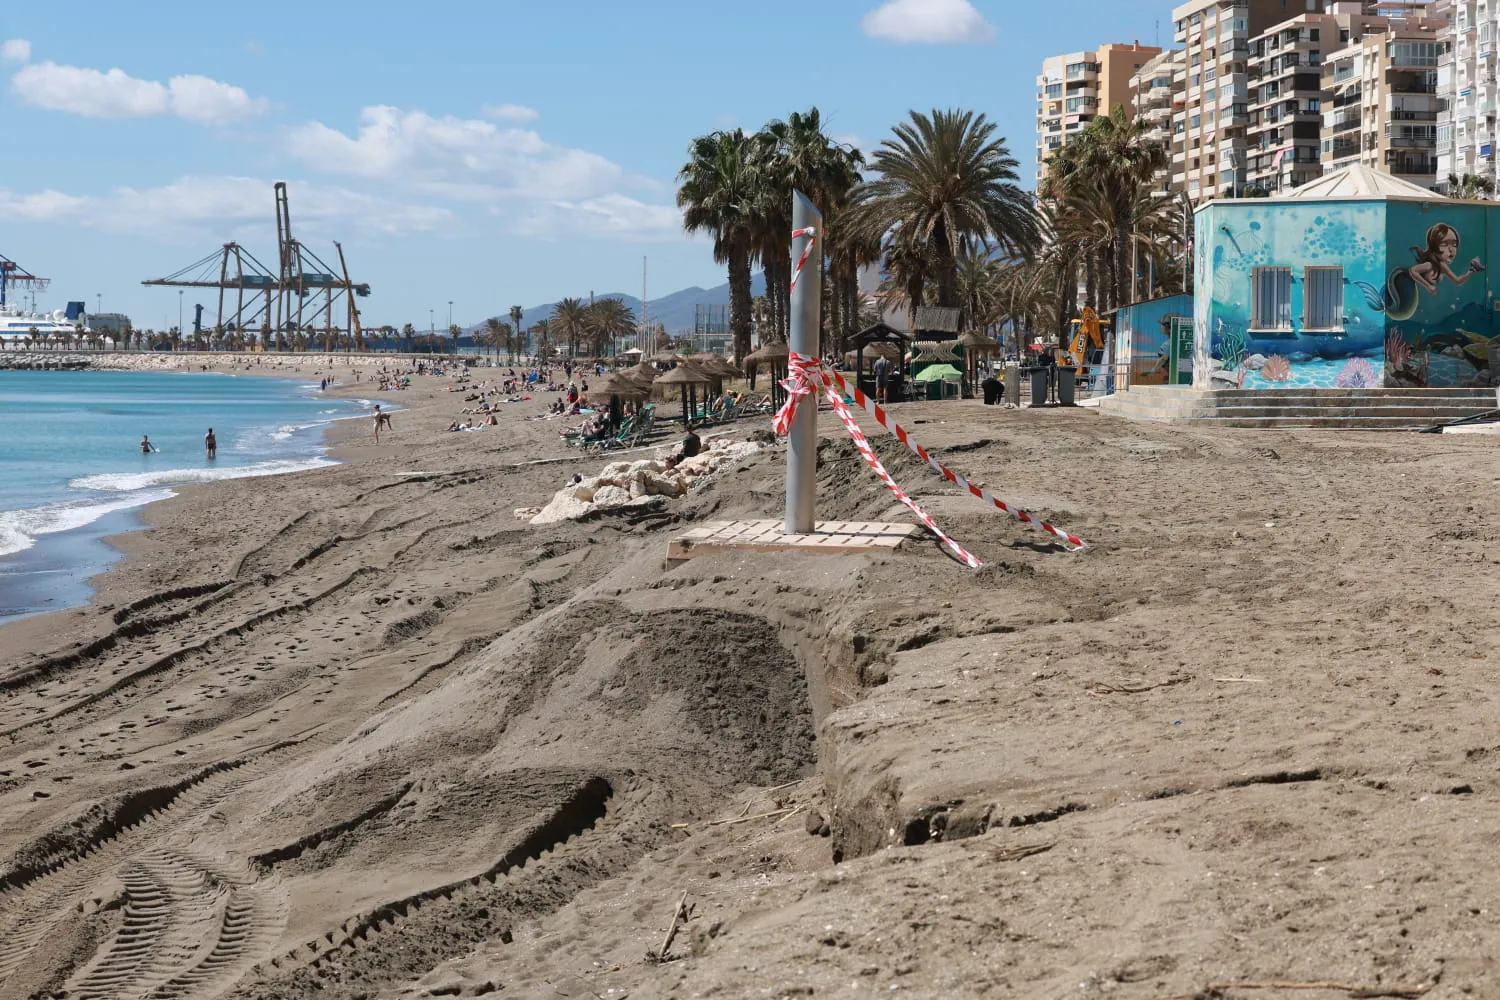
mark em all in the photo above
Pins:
pixel 1357 280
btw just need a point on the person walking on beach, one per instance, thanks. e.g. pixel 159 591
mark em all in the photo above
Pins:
pixel 882 378
pixel 381 420
pixel 211 444
pixel 146 446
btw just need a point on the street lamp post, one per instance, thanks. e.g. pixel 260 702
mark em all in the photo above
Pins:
pixel 179 312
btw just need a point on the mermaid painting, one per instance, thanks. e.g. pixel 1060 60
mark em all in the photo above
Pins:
pixel 1398 300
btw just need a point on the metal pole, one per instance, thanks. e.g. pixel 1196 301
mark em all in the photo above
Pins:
pixel 1187 253
pixel 802 440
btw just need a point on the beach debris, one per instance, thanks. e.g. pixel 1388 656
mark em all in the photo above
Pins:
pixel 680 915
pixel 627 484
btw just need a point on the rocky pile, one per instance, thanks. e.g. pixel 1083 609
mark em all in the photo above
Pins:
pixel 622 484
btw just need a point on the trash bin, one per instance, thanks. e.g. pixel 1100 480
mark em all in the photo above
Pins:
pixel 934 389
pixel 991 387
pixel 1039 387
pixel 1065 386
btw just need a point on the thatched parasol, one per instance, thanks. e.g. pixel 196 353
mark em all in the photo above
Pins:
pixel 621 384
pixel 884 349
pixel 645 371
pixel 667 358
pixel 774 355
pixel 686 377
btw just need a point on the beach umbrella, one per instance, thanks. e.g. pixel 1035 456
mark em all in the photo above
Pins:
pixel 667 358
pixel 686 378
pixel 936 373
pixel 622 385
pixel 774 354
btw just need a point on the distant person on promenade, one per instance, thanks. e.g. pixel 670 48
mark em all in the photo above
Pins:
pixel 146 446
pixel 211 444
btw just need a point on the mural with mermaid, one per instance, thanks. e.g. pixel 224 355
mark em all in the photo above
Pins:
pixel 1416 307
pixel 1400 297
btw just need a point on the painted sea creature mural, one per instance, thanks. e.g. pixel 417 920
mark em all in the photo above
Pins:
pixel 1276 369
pixel 1357 373
pixel 1400 297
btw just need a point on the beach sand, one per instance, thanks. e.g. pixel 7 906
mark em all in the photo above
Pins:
pixel 361 732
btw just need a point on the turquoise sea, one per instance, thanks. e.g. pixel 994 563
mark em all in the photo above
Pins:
pixel 72 471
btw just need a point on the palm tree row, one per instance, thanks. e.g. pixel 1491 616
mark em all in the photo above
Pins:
pixel 736 187
pixel 944 189
pixel 1103 221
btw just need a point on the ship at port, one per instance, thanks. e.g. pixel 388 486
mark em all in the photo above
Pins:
pixel 20 327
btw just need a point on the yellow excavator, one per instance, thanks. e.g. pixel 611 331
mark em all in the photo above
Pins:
pixel 1089 332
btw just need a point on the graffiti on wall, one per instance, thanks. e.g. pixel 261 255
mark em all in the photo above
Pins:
pixel 1416 309
pixel 1438 307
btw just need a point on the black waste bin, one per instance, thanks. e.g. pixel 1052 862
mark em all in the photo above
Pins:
pixel 1039 386
pixel 1065 385
pixel 991 388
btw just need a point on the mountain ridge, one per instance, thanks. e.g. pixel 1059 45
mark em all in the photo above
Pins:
pixel 674 311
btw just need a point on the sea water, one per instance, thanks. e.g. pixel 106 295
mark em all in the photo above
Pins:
pixel 72 471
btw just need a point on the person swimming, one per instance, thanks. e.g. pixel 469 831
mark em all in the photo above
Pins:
pixel 146 446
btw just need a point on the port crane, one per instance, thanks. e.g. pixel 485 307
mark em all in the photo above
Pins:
pixel 302 295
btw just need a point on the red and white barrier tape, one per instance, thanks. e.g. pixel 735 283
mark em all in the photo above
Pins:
pixel 806 374
pixel 812 237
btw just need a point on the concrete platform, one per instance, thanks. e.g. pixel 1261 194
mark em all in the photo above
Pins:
pixel 1355 409
pixel 827 537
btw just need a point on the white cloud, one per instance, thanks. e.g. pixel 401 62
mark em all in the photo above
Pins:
pixel 207 207
pixel 930 21
pixel 116 94
pixel 510 113
pixel 612 216
pixel 464 159
pixel 15 50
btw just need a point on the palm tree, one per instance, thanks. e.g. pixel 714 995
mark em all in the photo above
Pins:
pixel 516 312
pixel 409 336
pixel 496 331
pixel 541 338
pixel 454 333
pixel 609 320
pixel 946 183
pixel 721 193
pixel 800 156
pixel 569 323
pixel 1470 187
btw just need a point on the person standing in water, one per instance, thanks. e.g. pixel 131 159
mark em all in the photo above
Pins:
pixel 211 444
pixel 146 446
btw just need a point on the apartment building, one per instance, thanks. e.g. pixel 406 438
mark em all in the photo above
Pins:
pixel 1381 108
pixel 1209 147
pixel 1074 88
pixel 1158 90
pixel 1467 84
pixel 1289 88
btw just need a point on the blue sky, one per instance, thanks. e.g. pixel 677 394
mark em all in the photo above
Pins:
pixel 491 153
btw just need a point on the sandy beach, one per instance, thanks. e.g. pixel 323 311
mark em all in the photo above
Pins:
pixel 363 732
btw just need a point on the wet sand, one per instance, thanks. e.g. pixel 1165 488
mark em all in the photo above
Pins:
pixel 361 732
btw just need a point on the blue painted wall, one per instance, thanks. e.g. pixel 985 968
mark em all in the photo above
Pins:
pixel 1141 337
pixel 1415 311
pixel 1439 305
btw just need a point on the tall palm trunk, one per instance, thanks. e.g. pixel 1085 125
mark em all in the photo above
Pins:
pixel 739 300
pixel 947 266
